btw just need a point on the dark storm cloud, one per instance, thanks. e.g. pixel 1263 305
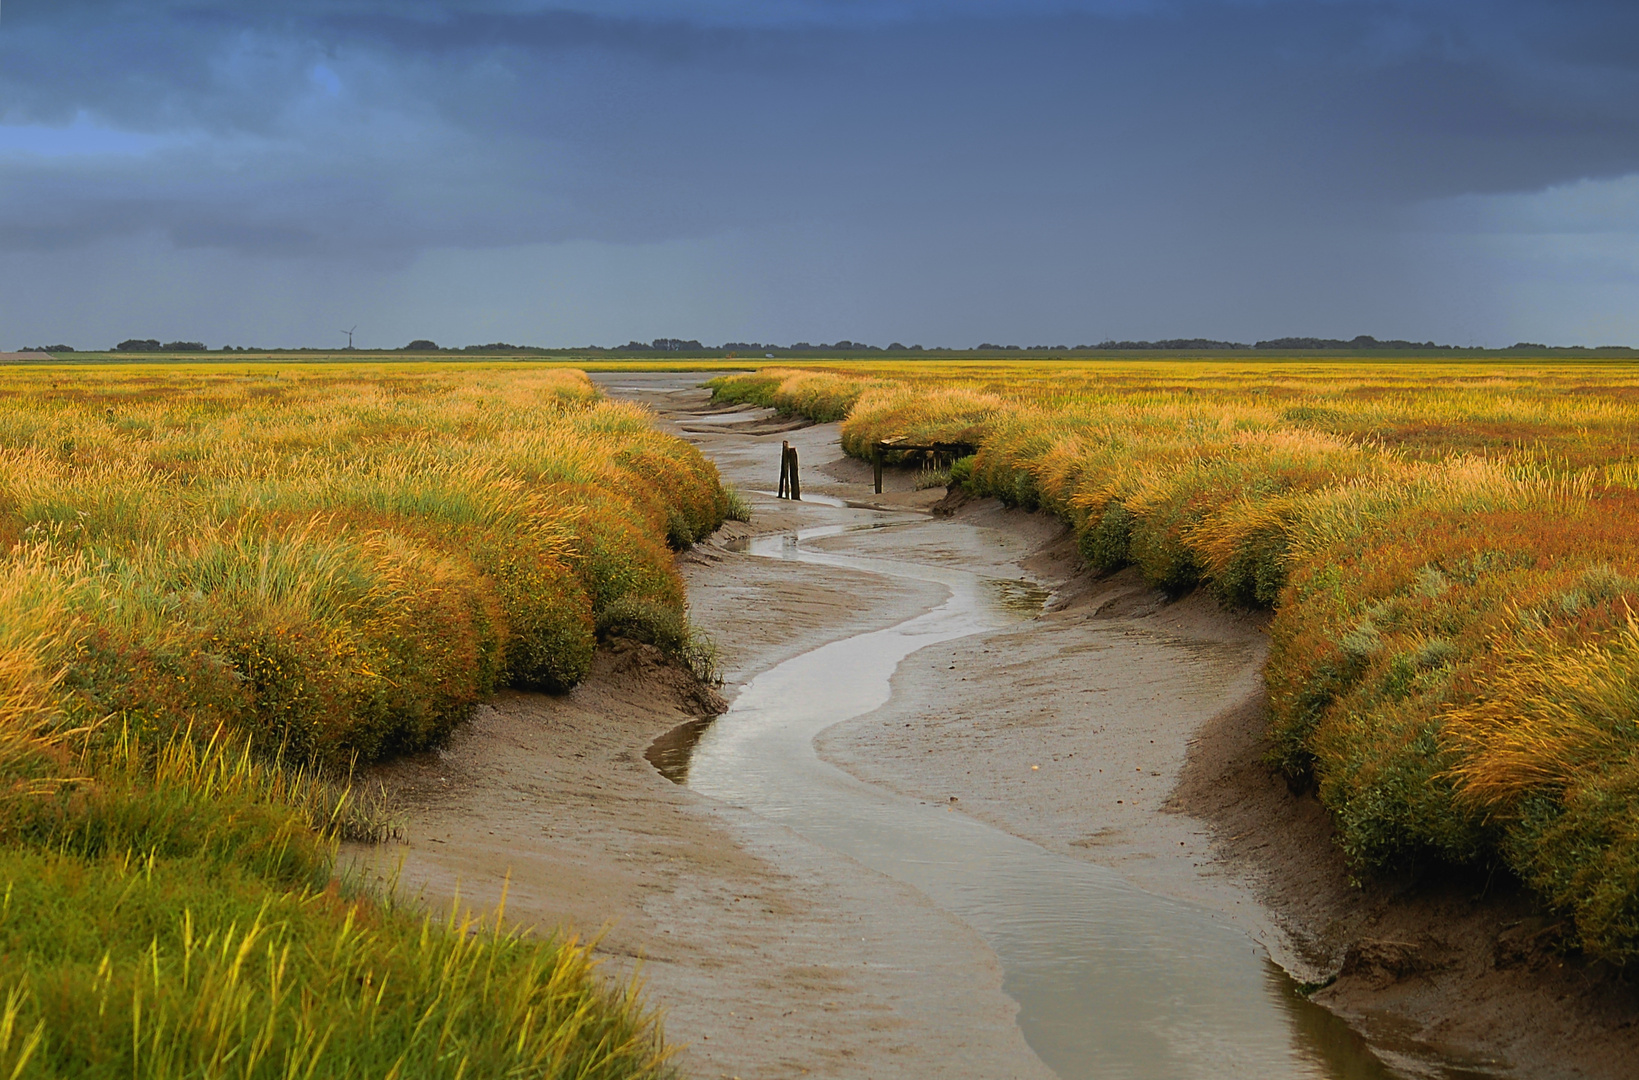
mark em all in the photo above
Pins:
pixel 299 122
pixel 1176 137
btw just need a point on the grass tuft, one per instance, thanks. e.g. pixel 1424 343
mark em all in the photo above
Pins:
pixel 739 508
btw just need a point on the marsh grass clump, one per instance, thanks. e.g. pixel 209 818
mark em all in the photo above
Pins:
pixel 1451 554
pixel 172 910
pixel 211 976
pixel 820 396
pixel 338 563
pixel 738 507
pixel 931 477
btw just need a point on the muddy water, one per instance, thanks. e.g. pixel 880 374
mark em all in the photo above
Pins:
pixel 1111 982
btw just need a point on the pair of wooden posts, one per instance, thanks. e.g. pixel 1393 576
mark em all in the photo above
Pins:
pixel 790 485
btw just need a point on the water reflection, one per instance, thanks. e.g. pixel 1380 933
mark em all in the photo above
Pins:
pixel 1324 1035
pixel 1026 597
pixel 670 753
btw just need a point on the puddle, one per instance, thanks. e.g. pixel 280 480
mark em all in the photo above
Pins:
pixel 670 753
pixel 1112 982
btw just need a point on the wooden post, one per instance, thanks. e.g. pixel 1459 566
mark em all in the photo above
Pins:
pixel 796 483
pixel 876 465
pixel 785 466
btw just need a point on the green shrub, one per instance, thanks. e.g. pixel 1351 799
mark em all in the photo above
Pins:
pixel 667 629
pixel 1105 538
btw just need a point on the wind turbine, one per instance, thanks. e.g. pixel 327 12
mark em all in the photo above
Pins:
pixel 349 334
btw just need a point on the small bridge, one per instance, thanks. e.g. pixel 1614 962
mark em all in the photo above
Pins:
pixel 941 451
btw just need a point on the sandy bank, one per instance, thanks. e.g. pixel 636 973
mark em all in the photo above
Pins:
pixel 1071 730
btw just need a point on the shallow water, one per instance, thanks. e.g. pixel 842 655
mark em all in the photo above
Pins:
pixel 817 500
pixel 1112 982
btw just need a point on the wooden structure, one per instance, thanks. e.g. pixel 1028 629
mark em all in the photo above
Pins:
pixel 790 483
pixel 941 451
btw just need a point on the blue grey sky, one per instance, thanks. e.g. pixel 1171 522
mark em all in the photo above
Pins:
pixel 1031 172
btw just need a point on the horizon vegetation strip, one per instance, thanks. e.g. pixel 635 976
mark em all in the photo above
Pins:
pixel 1451 552
pixel 222 588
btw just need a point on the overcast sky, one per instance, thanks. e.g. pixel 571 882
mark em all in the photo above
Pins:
pixel 1022 171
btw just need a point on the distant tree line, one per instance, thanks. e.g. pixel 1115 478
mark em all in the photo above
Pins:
pixel 664 344
pixel 153 345
pixel 802 346
pixel 846 345
pixel 1193 344
pixel 1364 342
pixel 423 345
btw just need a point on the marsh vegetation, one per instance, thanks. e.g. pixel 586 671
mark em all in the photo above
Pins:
pixel 224 588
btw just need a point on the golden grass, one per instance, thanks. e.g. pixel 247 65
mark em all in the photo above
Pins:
pixel 222 587
pixel 338 561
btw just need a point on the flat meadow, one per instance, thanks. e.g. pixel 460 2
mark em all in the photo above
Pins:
pixel 224 587
pixel 1450 552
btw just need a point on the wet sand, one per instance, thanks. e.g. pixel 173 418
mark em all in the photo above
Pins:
pixel 776 957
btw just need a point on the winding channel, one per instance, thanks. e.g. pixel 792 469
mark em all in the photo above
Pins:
pixel 1112 982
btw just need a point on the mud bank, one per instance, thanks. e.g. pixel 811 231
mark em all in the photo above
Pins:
pixel 1128 731
pixel 1458 962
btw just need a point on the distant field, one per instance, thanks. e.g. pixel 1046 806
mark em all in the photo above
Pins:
pixel 224 584
pixel 1451 552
